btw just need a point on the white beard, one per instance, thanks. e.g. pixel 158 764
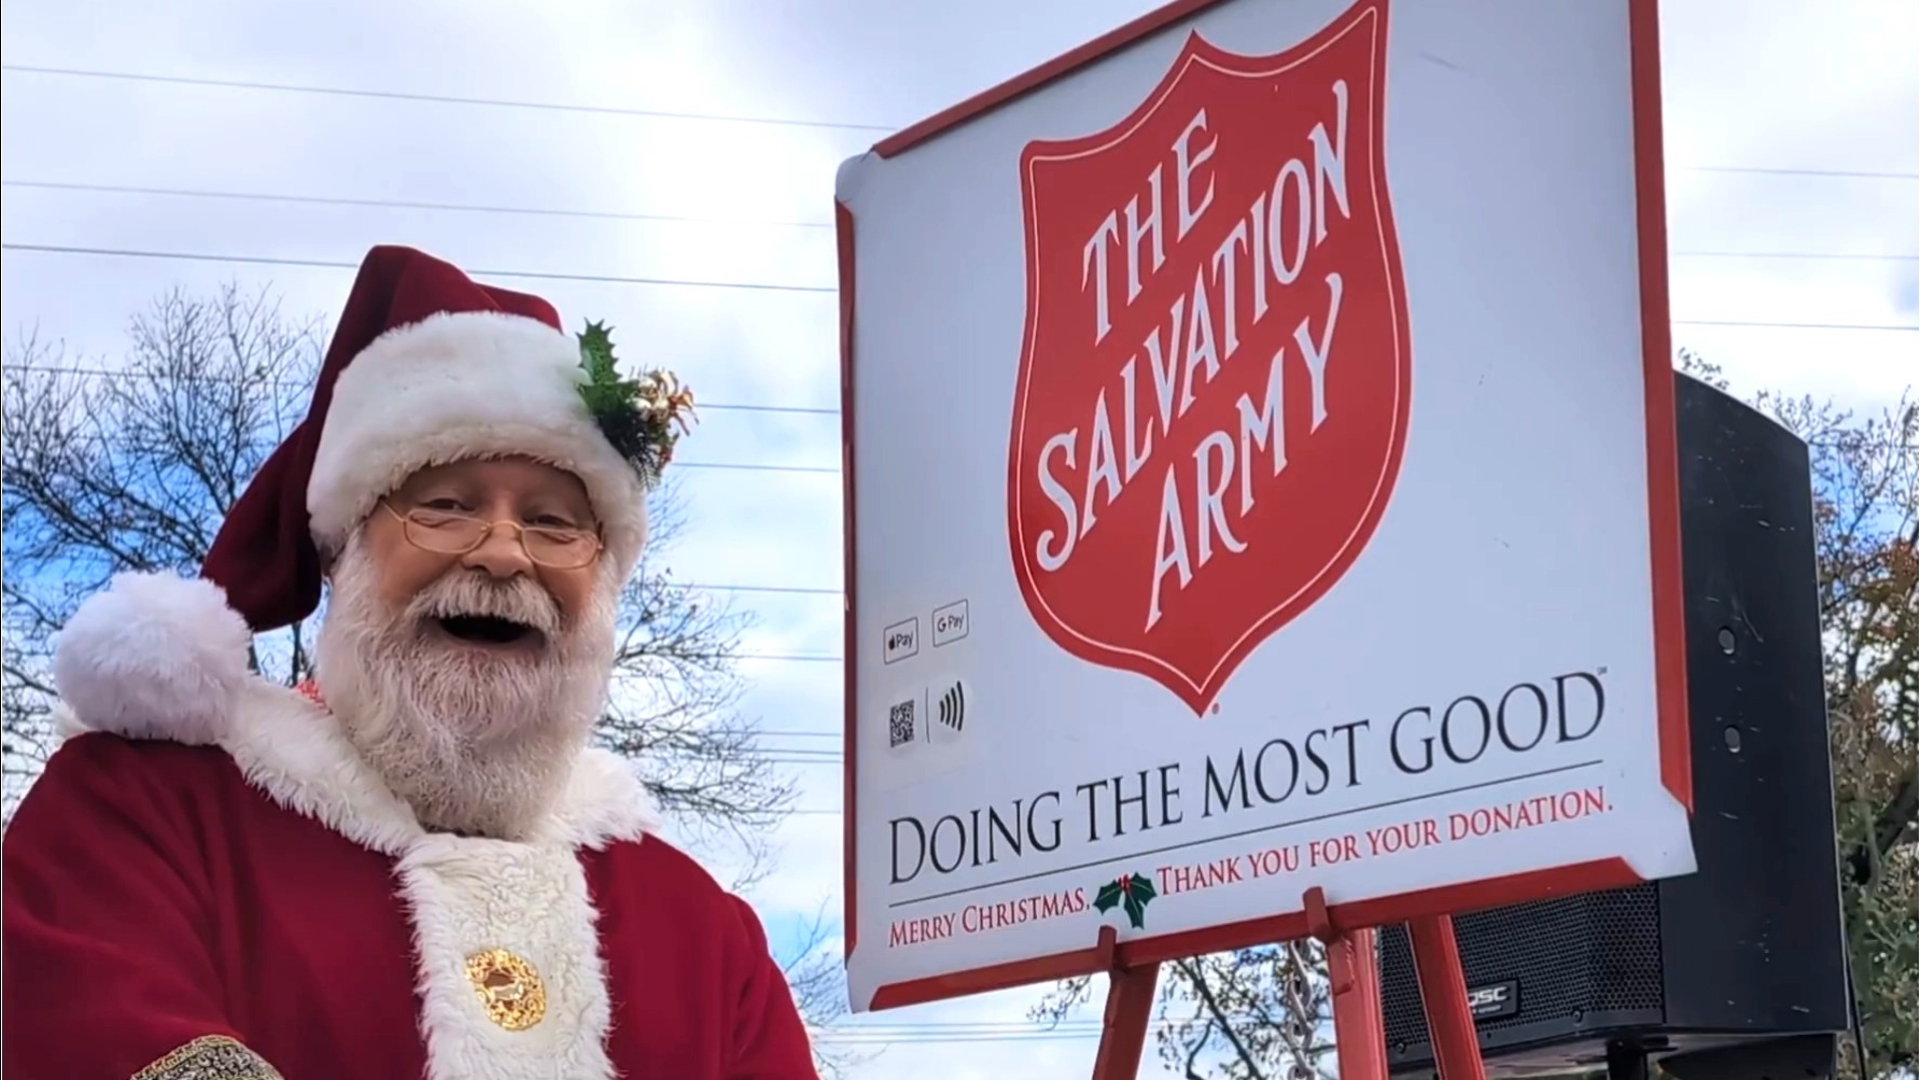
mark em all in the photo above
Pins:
pixel 476 743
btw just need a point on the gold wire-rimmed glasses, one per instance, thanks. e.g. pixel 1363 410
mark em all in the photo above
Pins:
pixel 457 534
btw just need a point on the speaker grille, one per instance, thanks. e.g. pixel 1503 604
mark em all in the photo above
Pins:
pixel 1575 955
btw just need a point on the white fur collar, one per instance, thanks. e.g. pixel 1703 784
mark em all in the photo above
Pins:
pixel 295 752
pixel 156 656
pixel 160 657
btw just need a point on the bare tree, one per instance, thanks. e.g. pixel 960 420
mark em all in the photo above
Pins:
pixel 815 974
pixel 134 465
pixel 131 470
pixel 1262 1013
pixel 674 701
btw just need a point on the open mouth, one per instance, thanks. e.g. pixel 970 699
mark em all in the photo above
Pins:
pixel 490 631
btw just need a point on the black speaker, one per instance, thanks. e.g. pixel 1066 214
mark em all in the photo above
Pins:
pixel 1737 969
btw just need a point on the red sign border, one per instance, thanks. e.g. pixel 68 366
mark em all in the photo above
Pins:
pixel 1663 489
pixel 1078 642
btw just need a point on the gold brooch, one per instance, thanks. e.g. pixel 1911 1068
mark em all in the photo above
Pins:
pixel 511 990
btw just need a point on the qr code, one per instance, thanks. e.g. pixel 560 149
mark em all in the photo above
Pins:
pixel 900 723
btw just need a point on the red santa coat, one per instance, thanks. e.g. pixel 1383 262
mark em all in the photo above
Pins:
pixel 177 910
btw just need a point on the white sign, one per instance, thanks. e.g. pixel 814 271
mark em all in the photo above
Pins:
pixel 1266 415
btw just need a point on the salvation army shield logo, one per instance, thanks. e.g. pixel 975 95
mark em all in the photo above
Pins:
pixel 1214 384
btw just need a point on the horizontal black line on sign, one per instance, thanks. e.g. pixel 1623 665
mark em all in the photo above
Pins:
pixel 1132 855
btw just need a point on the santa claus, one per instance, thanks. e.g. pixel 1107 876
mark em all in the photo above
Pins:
pixel 414 866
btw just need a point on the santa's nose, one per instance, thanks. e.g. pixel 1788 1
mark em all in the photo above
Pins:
pixel 501 554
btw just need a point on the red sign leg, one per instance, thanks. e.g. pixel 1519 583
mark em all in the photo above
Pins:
pixel 1443 990
pixel 1359 1032
pixel 1367 981
pixel 1123 1031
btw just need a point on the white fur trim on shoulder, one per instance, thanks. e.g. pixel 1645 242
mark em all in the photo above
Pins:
pixel 295 751
pixel 153 656
pixel 461 385
pixel 605 803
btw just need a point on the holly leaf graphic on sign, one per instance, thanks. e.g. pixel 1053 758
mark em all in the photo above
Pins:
pixel 1131 893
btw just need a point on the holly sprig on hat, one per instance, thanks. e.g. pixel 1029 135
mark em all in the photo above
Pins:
pixel 642 417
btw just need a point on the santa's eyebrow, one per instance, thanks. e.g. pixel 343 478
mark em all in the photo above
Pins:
pixel 418 489
pixel 572 509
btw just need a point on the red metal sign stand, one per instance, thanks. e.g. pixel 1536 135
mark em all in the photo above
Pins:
pixel 1359 1025
pixel 1123 1031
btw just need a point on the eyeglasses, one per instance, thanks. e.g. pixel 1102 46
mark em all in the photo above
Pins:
pixel 457 534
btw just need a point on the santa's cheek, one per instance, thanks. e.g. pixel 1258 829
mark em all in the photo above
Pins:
pixel 404 579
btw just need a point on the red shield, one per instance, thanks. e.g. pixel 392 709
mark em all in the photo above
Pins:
pixel 1214 385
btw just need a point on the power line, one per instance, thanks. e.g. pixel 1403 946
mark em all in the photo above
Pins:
pixel 864 1030
pixel 1763 170
pixel 288 384
pixel 722 466
pixel 715 466
pixel 1796 325
pixel 805 410
pixel 330 264
pixel 986 1031
pixel 401 204
pixel 823 289
pixel 880 1028
pixel 612 110
pixel 800 590
pixel 748 466
pixel 1811 255
pixel 440 99
pixel 613 215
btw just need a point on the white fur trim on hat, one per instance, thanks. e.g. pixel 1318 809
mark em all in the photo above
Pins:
pixel 153 656
pixel 465 385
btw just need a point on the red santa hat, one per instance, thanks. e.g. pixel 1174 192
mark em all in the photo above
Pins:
pixel 426 367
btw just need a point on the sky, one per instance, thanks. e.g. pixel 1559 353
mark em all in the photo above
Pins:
pixel 1790 138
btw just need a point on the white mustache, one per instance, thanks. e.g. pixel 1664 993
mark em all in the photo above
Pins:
pixel 475 594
